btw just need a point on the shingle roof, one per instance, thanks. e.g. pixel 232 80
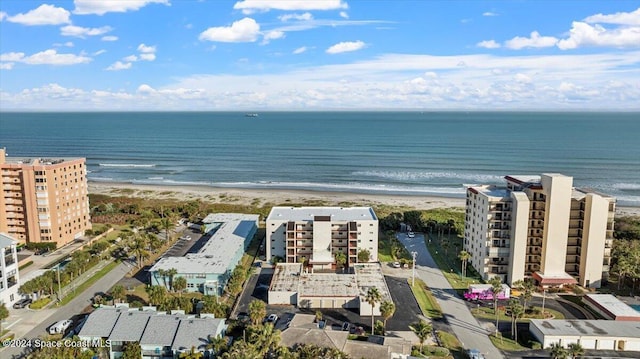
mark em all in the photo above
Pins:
pixel 101 322
pixel 194 332
pixel 161 330
pixel 130 326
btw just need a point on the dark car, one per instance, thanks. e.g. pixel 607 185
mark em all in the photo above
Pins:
pixel 22 303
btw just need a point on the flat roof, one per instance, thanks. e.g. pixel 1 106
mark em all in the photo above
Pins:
pixel 598 328
pixel 495 192
pixel 335 213
pixel 288 277
pixel 521 179
pixel 38 161
pixel 614 306
pixel 6 240
pixel 216 254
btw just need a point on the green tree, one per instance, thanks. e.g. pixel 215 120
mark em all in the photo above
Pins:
pixel 379 328
pixel 464 257
pixel 212 304
pixel 218 344
pixel 157 294
pixel 364 256
pixel 191 354
pixel 373 297
pixel 527 287
pixel 341 260
pixel 131 350
pixel 4 314
pixel 575 350
pixel 557 351
pixel 517 311
pixel 171 273
pixel 180 284
pixel 266 338
pixel 496 288
pixel 257 311
pixel 242 350
pixel 387 309
pixel 118 292
pixel 423 330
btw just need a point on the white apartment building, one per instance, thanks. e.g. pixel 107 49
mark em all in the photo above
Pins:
pixel 540 227
pixel 315 234
pixel 9 278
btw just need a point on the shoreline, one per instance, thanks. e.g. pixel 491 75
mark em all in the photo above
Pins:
pixel 259 197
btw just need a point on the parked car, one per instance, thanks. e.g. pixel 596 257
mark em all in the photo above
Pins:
pixel 474 354
pixel 60 327
pixel 185 238
pixel 411 234
pixel 346 326
pixel 396 264
pixel 272 318
pixel 22 303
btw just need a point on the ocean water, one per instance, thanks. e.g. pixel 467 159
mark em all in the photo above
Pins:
pixel 409 153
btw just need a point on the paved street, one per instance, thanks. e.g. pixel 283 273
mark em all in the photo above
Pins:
pixel 39 321
pixel 465 326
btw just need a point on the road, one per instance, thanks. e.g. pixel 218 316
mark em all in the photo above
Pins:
pixel 72 308
pixel 464 325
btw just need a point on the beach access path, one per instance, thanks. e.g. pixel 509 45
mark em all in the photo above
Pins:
pixel 471 334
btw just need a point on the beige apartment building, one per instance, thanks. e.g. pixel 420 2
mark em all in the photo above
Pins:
pixel 316 234
pixel 540 227
pixel 43 200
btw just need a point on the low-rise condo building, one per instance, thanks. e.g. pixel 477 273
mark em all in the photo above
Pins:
pixel 44 200
pixel 9 277
pixel 314 235
pixel 208 269
pixel 540 227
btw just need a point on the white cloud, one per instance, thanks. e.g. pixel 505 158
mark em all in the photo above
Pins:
pixel 117 66
pixel 144 88
pixel 300 50
pixel 272 35
pixel 99 52
pixel 522 78
pixel 130 58
pixel 344 15
pixel 12 56
pixel 619 18
pixel 489 13
pixel 346 46
pixel 251 6
pixel 6 66
pixel 109 38
pixel 300 17
pixel 583 34
pixel 85 7
pixel 82 32
pixel 52 57
pixel 43 15
pixel 146 49
pixel 488 44
pixel 147 57
pixel 535 41
pixel 245 30
pixel 3 15
pixel 66 44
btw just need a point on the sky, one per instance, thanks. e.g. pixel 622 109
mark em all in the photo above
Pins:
pixel 252 55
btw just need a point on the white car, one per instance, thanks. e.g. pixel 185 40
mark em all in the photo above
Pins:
pixel 272 318
pixel 185 238
pixel 396 264
pixel 60 327
pixel 411 234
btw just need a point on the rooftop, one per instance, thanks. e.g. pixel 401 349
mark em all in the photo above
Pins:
pixel 491 191
pixel 288 277
pixel 194 332
pixel 229 236
pixel 37 161
pixel 613 305
pixel 335 213
pixel 6 240
pixel 522 179
pixel 599 328
pixel 130 325
pixel 160 330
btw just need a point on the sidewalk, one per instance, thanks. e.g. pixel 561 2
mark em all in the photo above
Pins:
pixel 76 282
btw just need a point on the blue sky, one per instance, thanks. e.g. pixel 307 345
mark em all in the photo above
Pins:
pixel 324 54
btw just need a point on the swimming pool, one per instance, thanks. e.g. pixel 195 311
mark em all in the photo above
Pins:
pixel 635 306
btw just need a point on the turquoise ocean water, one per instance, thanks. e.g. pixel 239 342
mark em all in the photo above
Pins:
pixel 430 153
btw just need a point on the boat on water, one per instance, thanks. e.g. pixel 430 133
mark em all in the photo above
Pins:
pixel 250 115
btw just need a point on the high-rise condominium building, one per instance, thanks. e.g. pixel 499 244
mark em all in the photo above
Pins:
pixel 43 200
pixel 315 235
pixel 9 277
pixel 540 227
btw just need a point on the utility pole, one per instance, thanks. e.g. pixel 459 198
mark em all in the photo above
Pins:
pixel 413 280
pixel 544 296
pixel 59 287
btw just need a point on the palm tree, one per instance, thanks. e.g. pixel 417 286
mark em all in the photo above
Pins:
pixel 266 338
pixel 118 292
pixel 4 314
pixel 218 344
pixel 558 351
pixel 192 354
pixel 445 245
pixel 464 256
pixel 387 308
pixel 575 350
pixel 257 311
pixel 341 259
pixel 171 273
pixel 423 331
pixel 180 284
pixel 496 288
pixel 242 350
pixel 373 296
pixel 157 294
pixel 517 311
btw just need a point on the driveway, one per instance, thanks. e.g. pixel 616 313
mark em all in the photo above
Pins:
pixel 407 309
pixel 464 325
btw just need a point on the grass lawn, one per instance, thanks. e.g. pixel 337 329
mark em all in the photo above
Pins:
pixel 89 282
pixel 426 301
pixel 384 248
pixel 487 313
pixel 449 263
pixel 506 343
pixel 452 343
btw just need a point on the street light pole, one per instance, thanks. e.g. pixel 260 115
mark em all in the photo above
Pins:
pixel 59 287
pixel 413 280
pixel 544 296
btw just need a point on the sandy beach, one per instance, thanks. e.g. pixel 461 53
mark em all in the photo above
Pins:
pixel 244 196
